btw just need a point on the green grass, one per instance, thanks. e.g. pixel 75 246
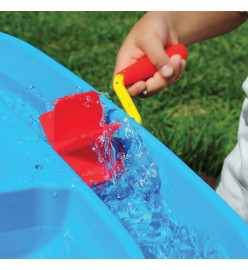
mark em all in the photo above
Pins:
pixel 197 118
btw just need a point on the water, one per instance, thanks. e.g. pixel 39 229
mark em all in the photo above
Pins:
pixel 134 198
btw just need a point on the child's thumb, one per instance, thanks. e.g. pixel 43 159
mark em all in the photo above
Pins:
pixel 157 55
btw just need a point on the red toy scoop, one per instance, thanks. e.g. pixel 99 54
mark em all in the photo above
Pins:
pixel 78 132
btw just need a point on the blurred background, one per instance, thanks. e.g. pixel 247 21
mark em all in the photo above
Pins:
pixel 197 118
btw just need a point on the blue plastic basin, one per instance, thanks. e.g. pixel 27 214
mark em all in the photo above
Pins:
pixel 47 211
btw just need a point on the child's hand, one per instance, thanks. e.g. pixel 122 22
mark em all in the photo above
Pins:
pixel 157 29
pixel 149 37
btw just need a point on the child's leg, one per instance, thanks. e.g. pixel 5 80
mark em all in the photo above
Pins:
pixel 233 185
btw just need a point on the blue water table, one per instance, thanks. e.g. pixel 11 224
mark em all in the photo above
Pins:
pixel 47 210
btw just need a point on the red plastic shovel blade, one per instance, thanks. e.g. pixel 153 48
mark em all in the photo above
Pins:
pixel 73 127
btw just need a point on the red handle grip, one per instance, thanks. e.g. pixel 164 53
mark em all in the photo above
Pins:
pixel 144 69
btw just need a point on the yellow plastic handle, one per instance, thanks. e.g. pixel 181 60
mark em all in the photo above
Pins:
pixel 138 71
pixel 125 98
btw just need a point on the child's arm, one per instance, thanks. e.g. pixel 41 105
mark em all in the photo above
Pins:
pixel 193 27
pixel 157 29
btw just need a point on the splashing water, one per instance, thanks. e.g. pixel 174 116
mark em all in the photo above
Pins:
pixel 134 198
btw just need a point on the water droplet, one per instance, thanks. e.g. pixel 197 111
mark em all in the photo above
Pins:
pixel 27 152
pixel 30 123
pixel 38 210
pixel 50 159
pixel 58 173
pixel 32 138
pixel 38 166
pixel 77 89
pixel 49 106
pixel 31 87
pixel 20 141
pixel 55 194
pixel 13 128
pixel 35 116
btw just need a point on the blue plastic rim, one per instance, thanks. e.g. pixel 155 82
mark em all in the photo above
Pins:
pixel 47 211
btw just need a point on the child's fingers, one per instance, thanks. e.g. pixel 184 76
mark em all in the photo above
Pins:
pixel 176 63
pixel 137 88
pixel 157 83
pixel 154 49
pixel 177 75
